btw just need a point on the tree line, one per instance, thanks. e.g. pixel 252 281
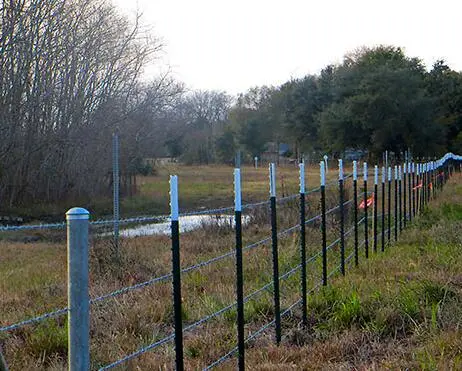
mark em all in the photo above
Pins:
pixel 71 74
pixel 377 99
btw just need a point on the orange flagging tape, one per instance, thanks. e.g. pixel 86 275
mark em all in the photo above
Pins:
pixel 417 186
pixel 370 201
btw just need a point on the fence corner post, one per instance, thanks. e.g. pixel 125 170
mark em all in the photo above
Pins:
pixel 77 290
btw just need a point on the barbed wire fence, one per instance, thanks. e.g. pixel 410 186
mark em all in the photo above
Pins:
pixel 412 187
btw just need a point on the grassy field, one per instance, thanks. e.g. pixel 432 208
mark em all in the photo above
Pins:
pixel 200 187
pixel 204 187
pixel 33 281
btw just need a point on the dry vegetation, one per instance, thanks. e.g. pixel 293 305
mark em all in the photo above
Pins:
pixel 344 330
pixel 212 186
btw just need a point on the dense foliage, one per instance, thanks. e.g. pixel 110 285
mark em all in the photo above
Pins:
pixel 378 99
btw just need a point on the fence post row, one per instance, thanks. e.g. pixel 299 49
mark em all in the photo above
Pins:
pixel 424 185
pixel 366 222
pixel 427 186
pixel 323 223
pixel 429 181
pixel 239 269
pixel 422 188
pixel 274 241
pixel 176 272
pixel 404 194
pixel 303 276
pixel 409 170
pixel 342 217
pixel 77 291
pixel 419 187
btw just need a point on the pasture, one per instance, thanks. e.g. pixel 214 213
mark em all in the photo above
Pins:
pixel 34 282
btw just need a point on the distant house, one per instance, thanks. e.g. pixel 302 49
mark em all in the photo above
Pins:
pixel 276 153
pixel 160 161
pixel 351 154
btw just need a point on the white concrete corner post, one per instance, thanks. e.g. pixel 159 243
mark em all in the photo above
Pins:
pixel 78 297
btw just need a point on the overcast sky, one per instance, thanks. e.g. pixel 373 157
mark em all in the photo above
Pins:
pixel 234 45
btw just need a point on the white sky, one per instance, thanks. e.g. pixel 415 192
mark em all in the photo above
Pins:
pixel 234 45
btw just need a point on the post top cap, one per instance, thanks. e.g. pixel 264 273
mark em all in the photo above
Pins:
pixel 77 213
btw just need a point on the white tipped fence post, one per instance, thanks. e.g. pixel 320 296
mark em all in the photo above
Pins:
pixel 389 205
pixel 325 162
pixel 366 231
pixel 77 291
pixel 323 222
pixel 384 178
pixel 303 276
pixel 274 243
pixel 355 212
pixel 176 272
pixel 342 217
pixel 256 162
pixel 376 182
pixel 239 269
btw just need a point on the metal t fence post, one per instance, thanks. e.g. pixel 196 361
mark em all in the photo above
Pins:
pixel 176 272
pixel 366 222
pixel 355 205
pixel 303 277
pixel 239 269
pixel 323 223
pixel 376 182
pixel 383 208
pixel 77 291
pixel 389 206
pixel 274 240
pixel 342 217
